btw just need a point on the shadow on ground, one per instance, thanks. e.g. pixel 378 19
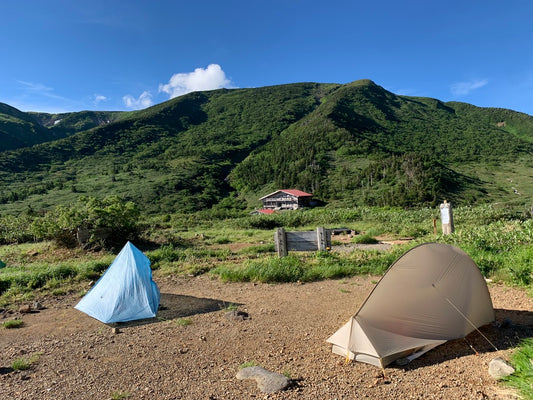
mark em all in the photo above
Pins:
pixel 508 330
pixel 173 306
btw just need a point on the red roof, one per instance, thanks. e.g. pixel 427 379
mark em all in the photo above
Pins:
pixel 294 192
pixel 265 211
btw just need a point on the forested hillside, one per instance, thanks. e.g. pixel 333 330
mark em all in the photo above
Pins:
pixel 347 144
pixel 368 145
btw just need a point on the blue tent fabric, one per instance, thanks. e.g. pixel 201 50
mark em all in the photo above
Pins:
pixel 125 292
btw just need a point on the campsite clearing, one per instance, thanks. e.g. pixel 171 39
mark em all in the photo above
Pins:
pixel 82 358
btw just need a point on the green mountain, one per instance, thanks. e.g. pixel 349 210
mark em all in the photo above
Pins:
pixel 19 129
pixel 348 144
pixel 66 124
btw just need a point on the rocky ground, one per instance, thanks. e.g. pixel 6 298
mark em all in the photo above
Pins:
pixel 194 349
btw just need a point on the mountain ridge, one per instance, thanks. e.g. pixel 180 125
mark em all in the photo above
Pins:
pixel 355 143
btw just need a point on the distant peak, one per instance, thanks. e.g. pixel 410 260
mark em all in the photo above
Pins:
pixel 362 82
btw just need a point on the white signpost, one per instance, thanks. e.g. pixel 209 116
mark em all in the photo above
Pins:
pixel 446 217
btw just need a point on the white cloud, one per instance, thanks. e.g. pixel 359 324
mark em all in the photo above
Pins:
pixel 464 88
pixel 98 98
pixel 143 101
pixel 213 77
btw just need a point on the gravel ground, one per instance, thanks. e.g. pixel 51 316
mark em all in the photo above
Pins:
pixel 194 349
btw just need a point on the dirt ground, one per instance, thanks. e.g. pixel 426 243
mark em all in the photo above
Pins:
pixel 77 357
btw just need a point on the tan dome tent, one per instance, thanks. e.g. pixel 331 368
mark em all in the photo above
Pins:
pixel 431 294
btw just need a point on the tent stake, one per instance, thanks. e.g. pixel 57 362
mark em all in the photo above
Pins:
pixel 471 347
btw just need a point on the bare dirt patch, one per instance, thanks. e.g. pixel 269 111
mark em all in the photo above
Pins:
pixel 81 358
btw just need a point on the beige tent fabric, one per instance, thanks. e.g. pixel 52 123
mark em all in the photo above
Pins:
pixel 433 293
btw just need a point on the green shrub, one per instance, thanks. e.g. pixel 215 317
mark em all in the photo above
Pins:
pixel 110 220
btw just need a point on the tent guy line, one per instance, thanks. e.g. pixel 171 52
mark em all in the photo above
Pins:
pixel 468 320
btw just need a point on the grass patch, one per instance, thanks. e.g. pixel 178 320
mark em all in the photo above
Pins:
pixel 248 364
pixel 231 307
pixel 118 395
pixel 522 361
pixel 222 240
pixel 269 269
pixel 258 249
pixel 13 324
pixel 20 281
pixel 306 267
pixel 364 239
pixel 22 364
pixel 183 321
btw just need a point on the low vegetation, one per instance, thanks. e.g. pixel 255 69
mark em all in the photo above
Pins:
pixel 499 240
pixel 23 363
pixel 13 323
pixel 235 246
pixel 523 376
pixel 118 395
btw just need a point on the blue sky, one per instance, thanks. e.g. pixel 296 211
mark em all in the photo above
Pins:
pixel 73 55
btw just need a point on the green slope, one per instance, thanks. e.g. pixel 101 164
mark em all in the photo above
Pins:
pixel 173 155
pixel 348 144
pixel 19 129
pixel 367 145
pixel 66 124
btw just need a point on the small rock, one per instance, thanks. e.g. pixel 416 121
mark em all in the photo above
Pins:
pixel 402 361
pixel 37 306
pixel 115 330
pixel 499 368
pixel 25 309
pixel 237 315
pixel 267 381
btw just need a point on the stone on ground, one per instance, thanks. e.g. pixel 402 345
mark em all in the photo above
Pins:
pixel 499 368
pixel 267 381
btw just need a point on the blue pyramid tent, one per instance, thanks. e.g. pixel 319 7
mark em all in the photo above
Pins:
pixel 125 292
